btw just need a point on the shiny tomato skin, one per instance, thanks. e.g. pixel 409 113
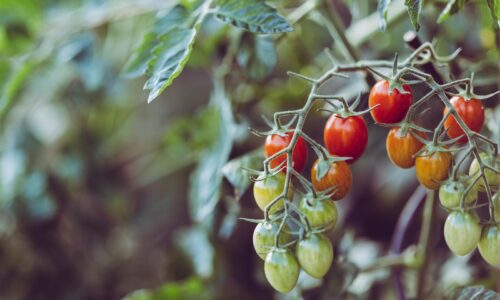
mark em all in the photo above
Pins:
pixel 462 232
pixel 268 189
pixel 472 113
pixel 346 136
pixel 338 175
pixel 489 245
pixel 264 235
pixel 320 213
pixel 432 169
pixel 281 269
pixel 393 107
pixel 402 148
pixel 492 177
pixel 315 254
pixel 275 143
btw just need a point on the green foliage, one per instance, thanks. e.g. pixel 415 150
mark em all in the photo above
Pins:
pixel 235 173
pixel 253 15
pixel 474 293
pixel 257 55
pixel 414 9
pixel 189 289
pixel 383 8
pixel 451 8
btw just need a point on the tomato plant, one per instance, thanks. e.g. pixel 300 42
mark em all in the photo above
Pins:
pixel 276 142
pixel 471 111
pixel 321 212
pixel 492 177
pixel 338 177
pixel 402 147
pixel 489 245
pixel 263 237
pixel 346 136
pixel 433 168
pixel 389 106
pixel 281 269
pixel 315 255
pixel 462 232
pixel 451 192
pixel 268 189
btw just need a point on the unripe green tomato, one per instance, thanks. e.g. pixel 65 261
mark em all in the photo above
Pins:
pixel 321 213
pixel 451 192
pixel 315 254
pixel 496 206
pixel 281 269
pixel 462 232
pixel 268 189
pixel 264 234
pixel 489 245
pixel 492 177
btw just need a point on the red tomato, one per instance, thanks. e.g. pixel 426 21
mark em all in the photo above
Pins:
pixel 401 148
pixel 339 175
pixel 346 136
pixel 275 143
pixel 393 107
pixel 472 113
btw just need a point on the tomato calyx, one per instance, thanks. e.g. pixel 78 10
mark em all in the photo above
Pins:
pixel 324 164
pixel 346 110
pixel 458 192
pixel 468 94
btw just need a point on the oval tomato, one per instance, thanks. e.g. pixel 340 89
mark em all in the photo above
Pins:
pixel 275 143
pixel 264 235
pixel 489 245
pixel 315 255
pixel 470 111
pixel 321 213
pixel 402 148
pixel 462 232
pixel 392 108
pixel 338 175
pixel 268 189
pixel 346 136
pixel 451 192
pixel 492 177
pixel 281 269
pixel 432 169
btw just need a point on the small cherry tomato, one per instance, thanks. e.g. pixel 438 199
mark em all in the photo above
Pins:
pixel 462 232
pixel 489 245
pixel 346 136
pixel 338 176
pixel 281 269
pixel 268 189
pixel 432 169
pixel 451 192
pixel 275 143
pixel 315 254
pixel 402 148
pixel 492 177
pixel 264 234
pixel 391 108
pixel 470 111
pixel 321 213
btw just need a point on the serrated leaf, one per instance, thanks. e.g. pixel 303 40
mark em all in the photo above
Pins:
pixel 414 8
pixel 235 173
pixel 382 8
pixel 169 58
pixel 452 7
pixel 474 293
pixel 257 54
pixel 204 191
pixel 252 15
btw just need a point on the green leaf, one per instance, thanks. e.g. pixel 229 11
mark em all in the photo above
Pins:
pixel 474 293
pixel 323 168
pixel 382 8
pixel 235 173
pixel 252 15
pixel 195 243
pixel 257 54
pixel 191 288
pixel 494 6
pixel 204 191
pixel 451 8
pixel 414 8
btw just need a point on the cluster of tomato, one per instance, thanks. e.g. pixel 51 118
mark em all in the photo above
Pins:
pixel 346 136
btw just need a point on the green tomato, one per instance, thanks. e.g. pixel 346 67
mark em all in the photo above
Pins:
pixel 451 192
pixel 320 212
pixel 281 269
pixel 263 237
pixel 492 177
pixel 315 254
pixel 496 206
pixel 268 189
pixel 462 232
pixel 489 245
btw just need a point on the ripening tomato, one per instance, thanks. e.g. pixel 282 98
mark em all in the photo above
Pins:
pixel 451 192
pixel 275 143
pixel 338 176
pixel 489 245
pixel 392 108
pixel 402 148
pixel 315 254
pixel 321 213
pixel 470 111
pixel 346 136
pixel 431 169
pixel 268 189
pixel 264 235
pixel 492 177
pixel 281 269
pixel 462 232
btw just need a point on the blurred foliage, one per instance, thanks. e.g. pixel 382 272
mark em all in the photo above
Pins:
pixel 102 194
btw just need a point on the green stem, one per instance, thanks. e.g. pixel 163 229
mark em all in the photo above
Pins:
pixel 424 239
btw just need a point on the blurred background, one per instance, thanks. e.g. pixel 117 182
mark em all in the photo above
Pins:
pixel 104 196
